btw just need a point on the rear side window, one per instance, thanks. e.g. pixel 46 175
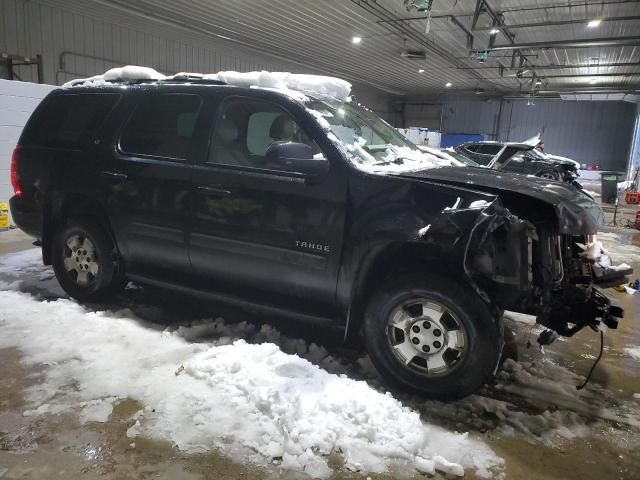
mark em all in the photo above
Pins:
pixel 488 149
pixel 162 126
pixel 68 121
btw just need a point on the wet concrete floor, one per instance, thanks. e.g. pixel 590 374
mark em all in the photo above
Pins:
pixel 59 446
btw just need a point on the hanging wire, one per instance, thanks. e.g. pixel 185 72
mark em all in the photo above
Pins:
pixel 593 367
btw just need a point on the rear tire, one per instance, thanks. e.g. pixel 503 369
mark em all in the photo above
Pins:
pixel 454 342
pixel 85 261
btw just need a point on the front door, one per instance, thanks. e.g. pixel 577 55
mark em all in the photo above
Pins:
pixel 147 182
pixel 258 231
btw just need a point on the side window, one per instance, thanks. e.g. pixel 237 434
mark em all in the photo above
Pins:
pixel 162 126
pixel 68 121
pixel 489 149
pixel 246 128
pixel 471 148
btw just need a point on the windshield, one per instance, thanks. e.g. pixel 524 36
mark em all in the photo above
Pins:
pixel 374 145
pixel 461 158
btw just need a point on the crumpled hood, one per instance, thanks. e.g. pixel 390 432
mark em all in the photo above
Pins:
pixel 577 213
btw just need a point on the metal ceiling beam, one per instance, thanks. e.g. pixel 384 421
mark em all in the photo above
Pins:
pixel 580 43
pixel 586 77
pixel 568 4
pixel 526 9
pixel 557 23
pixel 497 19
pixel 407 31
pixel 561 67
pixel 467 32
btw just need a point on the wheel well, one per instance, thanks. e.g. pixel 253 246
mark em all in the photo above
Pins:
pixel 64 207
pixel 397 258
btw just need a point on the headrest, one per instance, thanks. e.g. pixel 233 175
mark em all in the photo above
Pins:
pixel 227 131
pixel 276 131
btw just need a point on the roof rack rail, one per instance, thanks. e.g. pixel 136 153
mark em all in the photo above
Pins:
pixel 192 78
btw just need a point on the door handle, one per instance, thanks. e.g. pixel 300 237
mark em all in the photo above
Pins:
pixel 120 177
pixel 213 190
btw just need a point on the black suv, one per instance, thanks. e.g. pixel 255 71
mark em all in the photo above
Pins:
pixel 306 207
pixel 527 162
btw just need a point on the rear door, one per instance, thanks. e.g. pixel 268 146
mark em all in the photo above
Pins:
pixel 147 181
pixel 261 231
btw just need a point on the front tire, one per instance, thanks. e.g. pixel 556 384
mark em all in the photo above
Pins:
pixel 85 261
pixel 430 335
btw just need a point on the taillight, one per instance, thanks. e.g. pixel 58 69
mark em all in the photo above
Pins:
pixel 15 176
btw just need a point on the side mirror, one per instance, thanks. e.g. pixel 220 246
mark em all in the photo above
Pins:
pixel 295 157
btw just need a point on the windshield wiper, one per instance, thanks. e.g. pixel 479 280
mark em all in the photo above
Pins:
pixel 397 161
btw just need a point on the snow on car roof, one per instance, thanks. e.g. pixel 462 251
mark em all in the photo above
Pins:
pixel 284 82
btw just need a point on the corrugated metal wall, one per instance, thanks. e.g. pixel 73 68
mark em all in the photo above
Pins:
pixel 80 39
pixel 589 132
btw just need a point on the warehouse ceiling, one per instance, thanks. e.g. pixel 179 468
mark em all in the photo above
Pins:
pixel 531 47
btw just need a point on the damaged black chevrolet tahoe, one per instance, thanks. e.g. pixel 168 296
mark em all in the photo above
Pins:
pixel 305 207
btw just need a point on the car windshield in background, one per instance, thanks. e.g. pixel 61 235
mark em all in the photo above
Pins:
pixel 461 158
pixel 373 144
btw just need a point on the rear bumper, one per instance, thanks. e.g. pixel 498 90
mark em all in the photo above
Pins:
pixel 26 215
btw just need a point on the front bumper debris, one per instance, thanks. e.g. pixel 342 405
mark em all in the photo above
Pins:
pixel 576 307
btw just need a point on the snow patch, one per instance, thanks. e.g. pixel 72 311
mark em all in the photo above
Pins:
pixel 252 402
pixel 633 352
pixel 289 83
pixel 619 246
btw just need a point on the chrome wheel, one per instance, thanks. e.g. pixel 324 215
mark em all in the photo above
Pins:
pixel 426 337
pixel 80 260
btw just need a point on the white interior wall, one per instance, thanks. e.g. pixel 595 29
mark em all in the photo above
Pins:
pixel 17 101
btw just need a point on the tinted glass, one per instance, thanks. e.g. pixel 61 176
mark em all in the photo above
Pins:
pixel 162 126
pixel 246 128
pixel 68 121
pixel 488 149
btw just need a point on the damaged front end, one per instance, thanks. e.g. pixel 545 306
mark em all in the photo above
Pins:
pixel 529 267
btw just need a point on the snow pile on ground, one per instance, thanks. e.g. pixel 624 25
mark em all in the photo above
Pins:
pixel 602 262
pixel 633 352
pixel 619 245
pixel 625 185
pixel 591 192
pixel 538 401
pixel 24 261
pixel 253 402
pixel 542 382
pixel 312 84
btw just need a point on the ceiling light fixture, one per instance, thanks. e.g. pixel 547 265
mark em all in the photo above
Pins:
pixel 356 40
pixel 538 82
pixel 594 23
pixel 448 84
pixel 421 70
pixel 494 31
